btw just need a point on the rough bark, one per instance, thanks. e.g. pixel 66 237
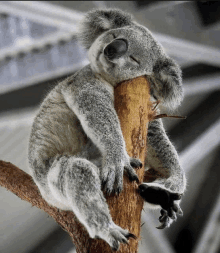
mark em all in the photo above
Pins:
pixel 132 103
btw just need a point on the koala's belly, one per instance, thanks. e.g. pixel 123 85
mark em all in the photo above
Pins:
pixel 57 130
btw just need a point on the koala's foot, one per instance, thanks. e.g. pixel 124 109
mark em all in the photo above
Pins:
pixel 168 201
pixel 112 174
pixel 115 236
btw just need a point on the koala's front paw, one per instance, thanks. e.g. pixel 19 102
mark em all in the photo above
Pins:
pixel 167 200
pixel 132 163
pixel 112 174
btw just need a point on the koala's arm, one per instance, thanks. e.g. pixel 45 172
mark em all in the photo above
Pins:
pixel 167 178
pixel 163 157
pixel 93 104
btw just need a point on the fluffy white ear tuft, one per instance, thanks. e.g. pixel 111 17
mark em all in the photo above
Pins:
pixel 98 21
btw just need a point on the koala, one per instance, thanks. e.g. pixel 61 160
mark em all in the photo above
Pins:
pixel 76 148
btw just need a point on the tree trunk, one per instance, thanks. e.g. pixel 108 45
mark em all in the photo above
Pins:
pixel 132 104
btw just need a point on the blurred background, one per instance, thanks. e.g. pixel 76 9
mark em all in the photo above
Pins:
pixel 38 48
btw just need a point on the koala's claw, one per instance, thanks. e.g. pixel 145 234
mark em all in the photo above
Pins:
pixel 131 235
pixel 112 175
pixel 108 182
pixel 117 192
pixel 131 173
pixel 119 235
pixel 136 163
pixel 165 224
pixel 133 177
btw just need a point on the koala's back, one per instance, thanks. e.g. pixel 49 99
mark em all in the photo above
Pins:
pixel 56 131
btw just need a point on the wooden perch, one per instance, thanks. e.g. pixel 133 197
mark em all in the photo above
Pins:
pixel 132 103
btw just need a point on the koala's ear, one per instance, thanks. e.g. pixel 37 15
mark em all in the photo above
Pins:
pixel 98 21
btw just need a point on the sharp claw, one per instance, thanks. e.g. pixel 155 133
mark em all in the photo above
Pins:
pixel 164 224
pixel 162 218
pixel 115 246
pixel 136 164
pixel 140 165
pixel 125 241
pixel 104 184
pixel 134 178
pixel 108 192
pixel 118 191
pixel 131 235
pixel 131 174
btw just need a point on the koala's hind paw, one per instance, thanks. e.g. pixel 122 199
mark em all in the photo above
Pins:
pixel 167 200
pixel 118 235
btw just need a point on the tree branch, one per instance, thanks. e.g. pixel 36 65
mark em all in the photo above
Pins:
pixel 132 104
pixel 22 185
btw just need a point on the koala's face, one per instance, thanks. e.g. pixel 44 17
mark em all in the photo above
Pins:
pixel 124 53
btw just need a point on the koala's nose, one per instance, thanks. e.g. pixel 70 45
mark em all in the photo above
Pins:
pixel 116 49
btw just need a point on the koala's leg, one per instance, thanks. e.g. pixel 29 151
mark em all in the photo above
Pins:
pixel 75 183
pixel 167 177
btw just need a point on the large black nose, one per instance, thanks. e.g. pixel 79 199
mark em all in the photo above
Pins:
pixel 116 49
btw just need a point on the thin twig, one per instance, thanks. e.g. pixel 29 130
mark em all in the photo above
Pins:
pixel 168 116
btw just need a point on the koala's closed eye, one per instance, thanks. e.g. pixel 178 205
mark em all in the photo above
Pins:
pixel 132 57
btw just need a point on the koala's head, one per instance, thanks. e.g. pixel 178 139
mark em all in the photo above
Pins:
pixel 119 48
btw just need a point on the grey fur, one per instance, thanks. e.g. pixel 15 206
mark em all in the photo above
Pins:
pixel 76 145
